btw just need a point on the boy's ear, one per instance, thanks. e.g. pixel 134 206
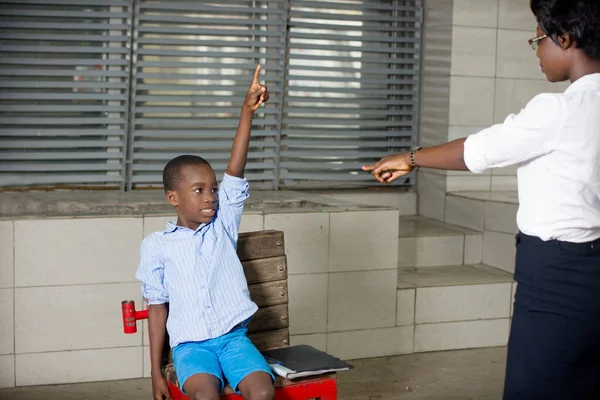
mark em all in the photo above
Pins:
pixel 172 198
pixel 565 41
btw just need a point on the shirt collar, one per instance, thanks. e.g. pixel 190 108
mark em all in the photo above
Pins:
pixel 583 82
pixel 172 227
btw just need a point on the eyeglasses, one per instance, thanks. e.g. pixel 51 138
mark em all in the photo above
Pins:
pixel 535 42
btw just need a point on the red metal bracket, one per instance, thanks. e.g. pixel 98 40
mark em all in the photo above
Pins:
pixel 131 316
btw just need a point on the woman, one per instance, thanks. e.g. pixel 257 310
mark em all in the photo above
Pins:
pixel 554 344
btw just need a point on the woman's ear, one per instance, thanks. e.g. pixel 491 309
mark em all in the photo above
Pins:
pixel 564 40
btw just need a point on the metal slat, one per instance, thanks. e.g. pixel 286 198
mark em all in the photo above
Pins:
pixel 58 167
pixel 362 38
pixel 63 26
pixel 361 59
pixel 166 156
pixel 222 31
pixel 340 144
pixel 35 108
pixel 61 121
pixel 209 43
pixel 356 6
pixel 61 96
pixel 190 7
pixel 234 79
pixel 104 3
pixel 324 16
pixel 62 61
pixel 62 38
pixel 350 90
pixel 387 80
pixel 46 132
pixel 213 22
pixel 55 179
pixel 63 49
pixel 251 165
pixel 199 110
pixel 61 85
pixel 248 54
pixel 350 48
pixel 153 179
pixel 201 98
pixel 198 122
pixel 294 25
pixel 343 132
pixel 200 88
pixel 203 134
pixel 57 72
pixel 60 155
pixel 174 144
pixel 209 66
pixel 33 144
pixel 62 13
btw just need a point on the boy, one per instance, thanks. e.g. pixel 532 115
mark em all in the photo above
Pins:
pixel 554 343
pixel 193 266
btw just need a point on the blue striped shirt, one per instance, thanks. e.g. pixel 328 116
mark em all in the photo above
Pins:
pixel 198 272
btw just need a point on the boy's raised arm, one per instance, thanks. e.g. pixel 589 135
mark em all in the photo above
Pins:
pixel 257 95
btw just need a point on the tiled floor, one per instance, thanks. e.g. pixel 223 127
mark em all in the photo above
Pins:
pixel 452 375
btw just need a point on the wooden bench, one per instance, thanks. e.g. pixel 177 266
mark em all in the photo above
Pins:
pixel 263 257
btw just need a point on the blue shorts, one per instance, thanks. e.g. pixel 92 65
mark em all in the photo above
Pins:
pixel 230 357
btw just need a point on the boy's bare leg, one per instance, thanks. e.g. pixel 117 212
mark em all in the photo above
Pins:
pixel 202 387
pixel 257 386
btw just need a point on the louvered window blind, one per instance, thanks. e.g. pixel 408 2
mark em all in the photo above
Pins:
pixel 195 61
pixel 352 92
pixel 104 93
pixel 63 92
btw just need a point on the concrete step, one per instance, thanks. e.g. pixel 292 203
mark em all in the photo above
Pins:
pixel 494 214
pixel 425 242
pixel 455 306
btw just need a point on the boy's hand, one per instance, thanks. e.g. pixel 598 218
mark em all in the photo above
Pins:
pixel 389 168
pixel 257 94
pixel 160 388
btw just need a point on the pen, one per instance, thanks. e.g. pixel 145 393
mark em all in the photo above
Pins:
pixel 272 360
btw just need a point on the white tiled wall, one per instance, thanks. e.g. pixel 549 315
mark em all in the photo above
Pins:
pixel 61 319
pixel 316 340
pixel 72 317
pixel 73 251
pixel 7 324
pixel 461 335
pixel 492 73
pixel 6 254
pixel 78 366
pixel 359 241
pixel 306 240
pixel 371 343
pixel 362 300
pixel 7 371
pixel 308 303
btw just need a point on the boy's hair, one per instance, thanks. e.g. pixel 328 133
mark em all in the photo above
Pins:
pixel 578 18
pixel 172 171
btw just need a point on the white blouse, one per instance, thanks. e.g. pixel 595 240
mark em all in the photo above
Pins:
pixel 555 140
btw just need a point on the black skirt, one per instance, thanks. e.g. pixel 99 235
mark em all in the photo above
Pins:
pixel 554 344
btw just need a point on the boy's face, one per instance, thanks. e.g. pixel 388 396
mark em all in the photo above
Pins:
pixel 554 60
pixel 196 199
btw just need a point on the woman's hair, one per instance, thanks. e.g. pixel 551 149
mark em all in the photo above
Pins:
pixel 580 19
